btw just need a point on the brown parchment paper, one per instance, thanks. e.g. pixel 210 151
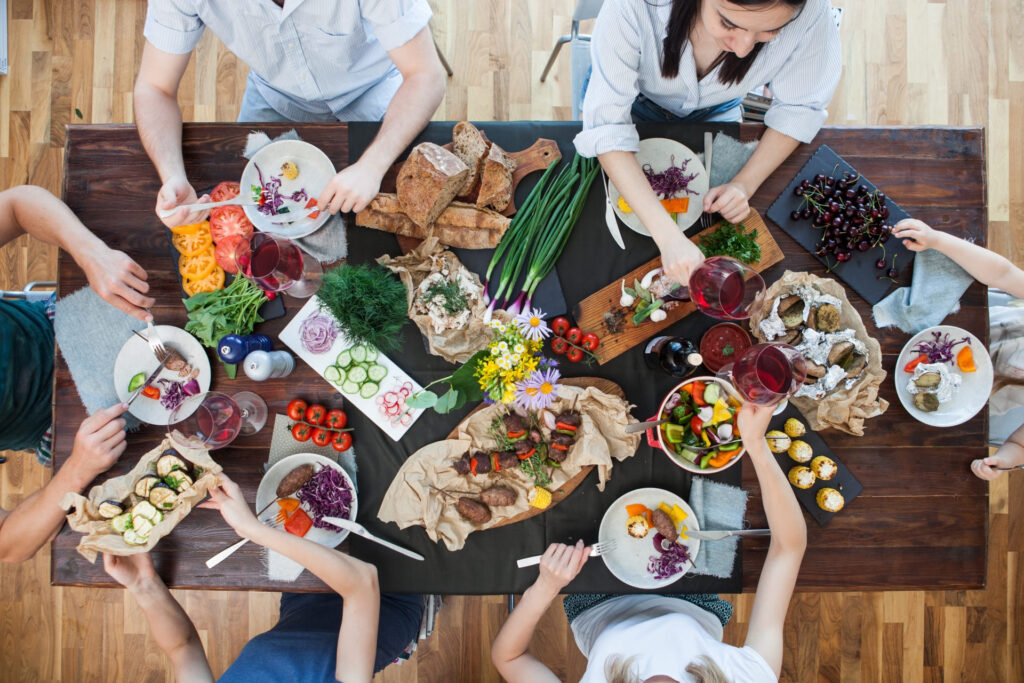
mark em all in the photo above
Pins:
pixel 410 500
pixel 455 346
pixel 84 516
pixel 843 409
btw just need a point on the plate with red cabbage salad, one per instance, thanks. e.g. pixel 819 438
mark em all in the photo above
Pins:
pixel 284 177
pixel 330 492
pixel 674 172
pixel 183 376
pixel 936 350
pixel 651 561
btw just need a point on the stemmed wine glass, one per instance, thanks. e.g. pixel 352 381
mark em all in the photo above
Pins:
pixel 212 420
pixel 722 288
pixel 277 264
pixel 767 374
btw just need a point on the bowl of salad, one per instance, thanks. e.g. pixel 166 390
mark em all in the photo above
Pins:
pixel 701 434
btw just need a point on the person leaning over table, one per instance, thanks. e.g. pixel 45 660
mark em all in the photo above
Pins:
pixel 26 366
pixel 669 638
pixel 992 270
pixel 312 60
pixel 348 635
pixel 694 60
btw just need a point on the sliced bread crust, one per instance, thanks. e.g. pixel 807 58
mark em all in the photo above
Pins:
pixel 496 179
pixel 470 146
pixel 428 182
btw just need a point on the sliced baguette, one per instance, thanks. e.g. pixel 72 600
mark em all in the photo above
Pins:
pixel 496 179
pixel 460 225
pixel 469 144
pixel 428 181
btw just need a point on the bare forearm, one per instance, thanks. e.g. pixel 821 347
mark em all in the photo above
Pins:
pixel 172 630
pixel 158 118
pixel 789 531
pixel 513 640
pixel 345 575
pixel 38 518
pixel 35 211
pixel 772 150
pixel 985 266
pixel 408 113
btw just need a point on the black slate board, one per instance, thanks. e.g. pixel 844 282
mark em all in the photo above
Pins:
pixel 859 272
pixel 844 481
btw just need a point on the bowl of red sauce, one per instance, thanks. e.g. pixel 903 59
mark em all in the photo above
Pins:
pixel 723 344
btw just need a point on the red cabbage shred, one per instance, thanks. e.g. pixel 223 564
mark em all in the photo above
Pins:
pixel 669 562
pixel 670 182
pixel 326 494
pixel 939 350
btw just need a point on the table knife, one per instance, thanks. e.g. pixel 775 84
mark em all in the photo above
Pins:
pixel 715 535
pixel 149 380
pixel 609 215
pixel 360 530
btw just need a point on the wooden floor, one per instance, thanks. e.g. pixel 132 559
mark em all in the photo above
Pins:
pixel 915 62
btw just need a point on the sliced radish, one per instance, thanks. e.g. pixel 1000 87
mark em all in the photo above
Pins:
pixel 406 419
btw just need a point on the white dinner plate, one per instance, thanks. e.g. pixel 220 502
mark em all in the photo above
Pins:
pixel 969 398
pixel 135 356
pixel 660 153
pixel 315 171
pixel 267 491
pixel 628 562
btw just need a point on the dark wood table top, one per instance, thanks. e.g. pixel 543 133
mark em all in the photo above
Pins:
pixel 919 524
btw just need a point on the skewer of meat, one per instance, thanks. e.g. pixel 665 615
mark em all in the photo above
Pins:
pixel 567 424
pixel 471 509
pixel 485 463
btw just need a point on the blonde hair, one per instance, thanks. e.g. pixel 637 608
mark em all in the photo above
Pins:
pixel 619 670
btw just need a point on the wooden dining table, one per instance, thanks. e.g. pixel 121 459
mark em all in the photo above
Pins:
pixel 920 522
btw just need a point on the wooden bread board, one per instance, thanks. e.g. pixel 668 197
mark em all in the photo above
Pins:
pixel 568 487
pixel 620 335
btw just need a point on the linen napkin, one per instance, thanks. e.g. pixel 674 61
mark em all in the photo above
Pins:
pixel 729 155
pixel 279 567
pixel 935 290
pixel 90 333
pixel 717 506
pixel 330 242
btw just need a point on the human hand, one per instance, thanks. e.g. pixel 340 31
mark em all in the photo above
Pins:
pixel 560 564
pixel 916 235
pixel 118 279
pixel 99 442
pixel 752 421
pixel 129 570
pixel 731 200
pixel 985 468
pixel 176 191
pixel 351 189
pixel 228 499
pixel 679 256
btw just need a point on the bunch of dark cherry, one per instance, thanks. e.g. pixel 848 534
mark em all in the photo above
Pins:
pixel 850 216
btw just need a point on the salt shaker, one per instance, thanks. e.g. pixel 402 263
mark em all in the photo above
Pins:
pixel 263 365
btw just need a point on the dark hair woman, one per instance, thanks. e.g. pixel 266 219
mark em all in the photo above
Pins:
pixel 694 60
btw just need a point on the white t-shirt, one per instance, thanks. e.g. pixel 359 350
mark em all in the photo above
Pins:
pixel 664 635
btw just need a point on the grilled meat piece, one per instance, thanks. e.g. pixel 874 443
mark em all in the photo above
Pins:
pixel 294 480
pixel 525 446
pixel 483 463
pixel 570 418
pixel 473 510
pixel 663 523
pixel 557 455
pixel 498 496
pixel 462 465
pixel 513 423
pixel 508 459
pixel 536 436
pixel 562 439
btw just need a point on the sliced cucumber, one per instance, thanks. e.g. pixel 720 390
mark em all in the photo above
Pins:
pixel 141 526
pixel 358 353
pixel 145 510
pixel 357 374
pixel 344 359
pixel 350 387
pixel 371 353
pixel 369 390
pixel 121 523
pixel 133 538
pixel 711 393
pixel 332 374
pixel 377 372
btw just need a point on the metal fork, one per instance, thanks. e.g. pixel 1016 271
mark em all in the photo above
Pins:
pixel 159 350
pixel 707 219
pixel 230 550
pixel 596 550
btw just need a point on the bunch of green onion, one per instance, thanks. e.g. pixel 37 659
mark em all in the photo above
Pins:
pixel 539 232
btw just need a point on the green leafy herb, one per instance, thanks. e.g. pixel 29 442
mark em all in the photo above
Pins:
pixel 463 387
pixel 232 310
pixel 78 113
pixel 368 302
pixel 731 240
pixel 728 350
pixel 453 299
pixel 534 468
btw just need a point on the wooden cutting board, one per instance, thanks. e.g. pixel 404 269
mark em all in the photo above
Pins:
pixel 617 332
pixel 568 487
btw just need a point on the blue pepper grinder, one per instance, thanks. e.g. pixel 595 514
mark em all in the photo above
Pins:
pixel 234 347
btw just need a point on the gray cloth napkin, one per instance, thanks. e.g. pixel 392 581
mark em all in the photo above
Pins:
pixel 330 242
pixel 729 155
pixel 935 290
pixel 717 506
pixel 279 567
pixel 90 333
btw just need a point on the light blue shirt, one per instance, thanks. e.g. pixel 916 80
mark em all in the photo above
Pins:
pixel 802 65
pixel 311 57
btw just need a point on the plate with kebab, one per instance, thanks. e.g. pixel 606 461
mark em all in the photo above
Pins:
pixel 501 466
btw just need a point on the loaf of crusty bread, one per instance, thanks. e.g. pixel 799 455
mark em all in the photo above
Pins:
pixel 460 225
pixel 469 145
pixel 428 181
pixel 496 179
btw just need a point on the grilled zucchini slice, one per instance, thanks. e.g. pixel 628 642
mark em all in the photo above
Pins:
pixel 144 485
pixel 121 523
pixel 110 509
pixel 168 463
pixel 163 497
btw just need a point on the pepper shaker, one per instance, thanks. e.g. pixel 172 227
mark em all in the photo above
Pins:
pixel 263 365
pixel 233 348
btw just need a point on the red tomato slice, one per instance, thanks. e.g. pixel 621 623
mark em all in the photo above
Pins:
pixel 228 220
pixel 225 253
pixel 224 191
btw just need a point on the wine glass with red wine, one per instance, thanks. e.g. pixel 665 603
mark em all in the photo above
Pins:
pixel 211 420
pixel 723 288
pixel 767 374
pixel 277 264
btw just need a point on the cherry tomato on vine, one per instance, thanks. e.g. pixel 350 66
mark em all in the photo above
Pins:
pixel 590 341
pixel 322 437
pixel 315 414
pixel 342 441
pixel 336 419
pixel 574 335
pixel 559 326
pixel 301 432
pixel 297 409
pixel 559 345
pixel 574 355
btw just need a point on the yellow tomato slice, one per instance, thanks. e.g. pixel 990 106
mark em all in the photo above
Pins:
pixel 211 283
pixel 192 243
pixel 199 266
pixel 187 229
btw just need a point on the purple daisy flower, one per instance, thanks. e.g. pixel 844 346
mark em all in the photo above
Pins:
pixel 531 324
pixel 537 391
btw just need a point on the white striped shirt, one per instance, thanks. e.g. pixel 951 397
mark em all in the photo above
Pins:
pixel 312 56
pixel 802 64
